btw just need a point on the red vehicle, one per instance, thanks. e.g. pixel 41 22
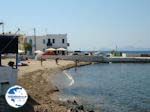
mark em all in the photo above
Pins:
pixel 50 53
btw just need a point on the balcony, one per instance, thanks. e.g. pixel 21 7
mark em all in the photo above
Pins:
pixel 49 44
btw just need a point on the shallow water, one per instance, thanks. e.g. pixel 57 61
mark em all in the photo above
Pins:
pixel 108 87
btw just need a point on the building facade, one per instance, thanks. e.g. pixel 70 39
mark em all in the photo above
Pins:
pixel 47 41
pixel 21 42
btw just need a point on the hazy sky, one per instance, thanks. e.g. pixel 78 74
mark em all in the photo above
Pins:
pixel 90 24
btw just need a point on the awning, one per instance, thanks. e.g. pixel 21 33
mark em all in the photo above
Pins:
pixel 20 51
pixel 50 49
pixel 61 49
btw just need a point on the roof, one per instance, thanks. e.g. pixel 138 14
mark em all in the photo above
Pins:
pixel 9 35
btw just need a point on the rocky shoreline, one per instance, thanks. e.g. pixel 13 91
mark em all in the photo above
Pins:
pixel 42 92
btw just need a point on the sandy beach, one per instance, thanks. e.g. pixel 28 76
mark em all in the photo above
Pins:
pixel 36 80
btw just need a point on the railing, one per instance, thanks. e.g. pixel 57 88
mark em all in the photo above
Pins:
pixel 49 44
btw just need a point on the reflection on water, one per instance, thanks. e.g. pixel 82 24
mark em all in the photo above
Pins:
pixel 109 87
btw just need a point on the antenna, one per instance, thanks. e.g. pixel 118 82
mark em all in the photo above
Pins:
pixel 116 48
pixel 35 39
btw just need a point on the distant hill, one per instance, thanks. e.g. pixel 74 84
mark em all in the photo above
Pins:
pixel 128 48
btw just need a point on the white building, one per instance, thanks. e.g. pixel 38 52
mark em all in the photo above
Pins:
pixel 47 41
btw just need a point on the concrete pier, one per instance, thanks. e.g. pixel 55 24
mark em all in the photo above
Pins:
pixel 127 60
pixel 101 59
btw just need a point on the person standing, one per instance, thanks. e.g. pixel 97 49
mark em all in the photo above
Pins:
pixel 57 60
pixel 76 64
pixel 41 61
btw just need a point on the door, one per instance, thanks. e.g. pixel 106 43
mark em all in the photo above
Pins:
pixel 4 87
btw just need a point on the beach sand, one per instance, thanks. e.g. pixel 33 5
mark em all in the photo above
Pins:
pixel 36 79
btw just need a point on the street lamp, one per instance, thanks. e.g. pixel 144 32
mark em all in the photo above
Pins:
pixel 1 23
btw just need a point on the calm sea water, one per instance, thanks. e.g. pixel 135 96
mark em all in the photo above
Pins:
pixel 108 87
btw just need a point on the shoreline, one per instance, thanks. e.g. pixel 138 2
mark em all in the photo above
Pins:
pixel 41 90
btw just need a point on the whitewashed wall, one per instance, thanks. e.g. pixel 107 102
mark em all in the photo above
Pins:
pixel 40 45
pixel 7 74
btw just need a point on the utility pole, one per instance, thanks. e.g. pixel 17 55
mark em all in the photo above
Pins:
pixel 34 39
pixel 3 28
pixel 1 23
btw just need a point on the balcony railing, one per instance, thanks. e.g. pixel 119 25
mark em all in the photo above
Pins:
pixel 49 44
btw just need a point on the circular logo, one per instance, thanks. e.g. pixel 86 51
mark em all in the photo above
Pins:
pixel 16 96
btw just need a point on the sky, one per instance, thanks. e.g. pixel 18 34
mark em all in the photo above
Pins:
pixel 90 24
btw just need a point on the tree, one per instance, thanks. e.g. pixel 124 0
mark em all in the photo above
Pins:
pixel 27 47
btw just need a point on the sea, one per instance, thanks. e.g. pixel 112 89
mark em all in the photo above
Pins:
pixel 113 87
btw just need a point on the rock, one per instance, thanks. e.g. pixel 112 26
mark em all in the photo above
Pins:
pixel 75 102
pixel 81 107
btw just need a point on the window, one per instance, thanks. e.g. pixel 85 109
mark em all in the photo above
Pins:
pixel 49 43
pixel 53 40
pixel 30 41
pixel 49 40
pixel 43 41
pixel 43 49
pixel 63 41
